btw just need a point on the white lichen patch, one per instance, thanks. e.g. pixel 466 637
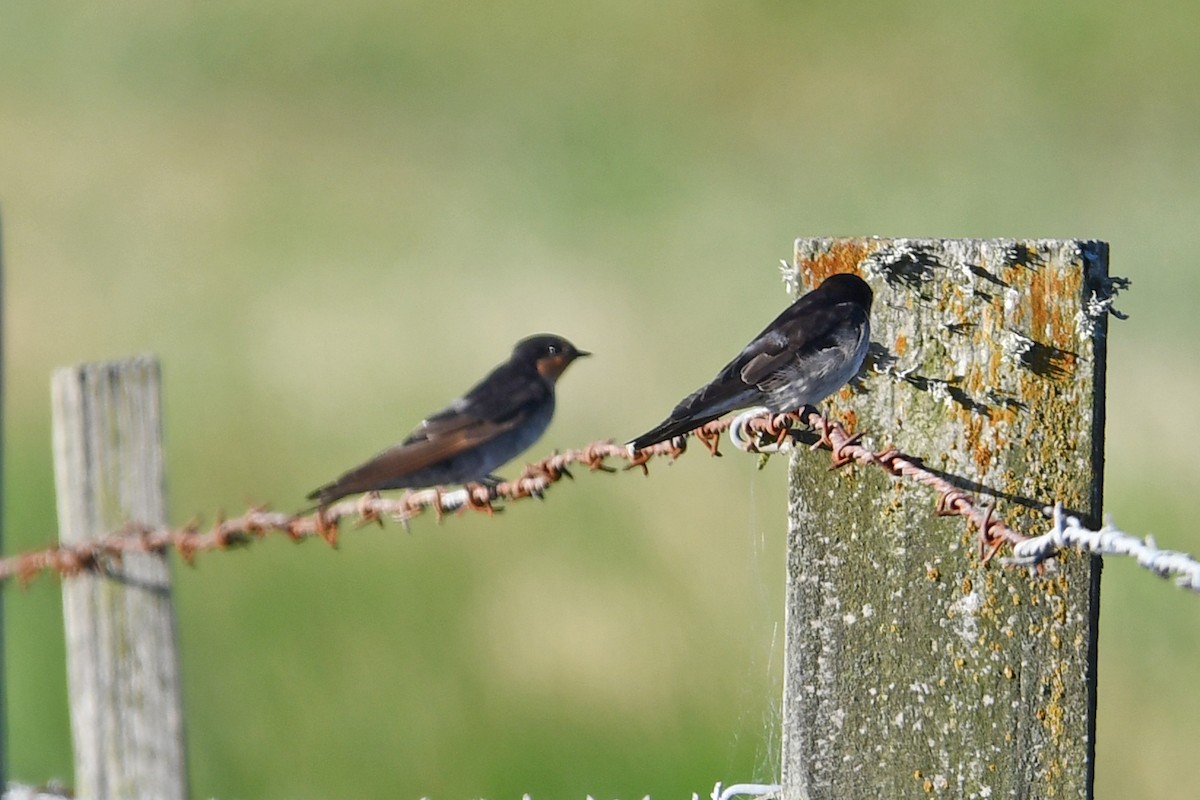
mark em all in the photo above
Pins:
pixel 791 276
pixel 964 616
pixel 939 390
pixel 1014 345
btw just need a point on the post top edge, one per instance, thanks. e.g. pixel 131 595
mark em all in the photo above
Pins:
pixel 134 363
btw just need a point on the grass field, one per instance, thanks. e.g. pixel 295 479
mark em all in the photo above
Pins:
pixel 328 219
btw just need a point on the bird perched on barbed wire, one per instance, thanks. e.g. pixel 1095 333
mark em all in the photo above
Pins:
pixel 494 422
pixel 806 354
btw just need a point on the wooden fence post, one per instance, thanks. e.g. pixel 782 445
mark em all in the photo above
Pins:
pixel 3 681
pixel 122 665
pixel 911 668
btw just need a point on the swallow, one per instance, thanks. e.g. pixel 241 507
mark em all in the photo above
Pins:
pixel 806 354
pixel 498 419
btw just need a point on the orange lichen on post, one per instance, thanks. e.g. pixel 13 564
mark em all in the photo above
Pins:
pixel 844 256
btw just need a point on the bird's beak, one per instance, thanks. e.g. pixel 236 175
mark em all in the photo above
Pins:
pixel 581 353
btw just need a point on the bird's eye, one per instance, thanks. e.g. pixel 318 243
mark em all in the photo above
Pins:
pixel 552 350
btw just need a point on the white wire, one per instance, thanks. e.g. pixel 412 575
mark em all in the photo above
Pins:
pixel 1068 531
pixel 744 790
pixel 745 440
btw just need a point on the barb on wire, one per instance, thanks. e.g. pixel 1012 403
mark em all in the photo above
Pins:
pixel 1068 531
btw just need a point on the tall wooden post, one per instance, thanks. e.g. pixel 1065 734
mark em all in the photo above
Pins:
pixel 912 669
pixel 3 681
pixel 122 664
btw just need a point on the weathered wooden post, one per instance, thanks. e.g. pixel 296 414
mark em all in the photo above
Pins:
pixel 911 668
pixel 122 664
pixel 3 682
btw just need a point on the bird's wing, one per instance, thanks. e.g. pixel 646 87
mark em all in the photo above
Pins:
pixel 495 405
pixel 773 356
pixel 492 406
pixel 450 435
pixel 794 335
pixel 454 436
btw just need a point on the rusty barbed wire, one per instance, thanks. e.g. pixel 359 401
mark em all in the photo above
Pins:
pixel 754 431
pixel 68 560
pixel 1028 551
pixel 846 449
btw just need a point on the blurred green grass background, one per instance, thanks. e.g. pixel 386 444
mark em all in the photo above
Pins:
pixel 328 219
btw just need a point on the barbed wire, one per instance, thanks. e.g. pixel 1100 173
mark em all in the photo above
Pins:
pixel 749 430
pixel 97 555
pixel 754 431
pixel 1068 531
pixel 763 791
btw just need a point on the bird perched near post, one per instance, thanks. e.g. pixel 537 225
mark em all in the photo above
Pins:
pixel 806 354
pixel 494 422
